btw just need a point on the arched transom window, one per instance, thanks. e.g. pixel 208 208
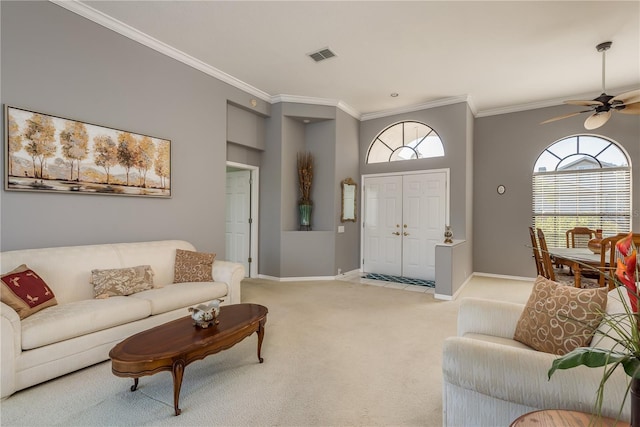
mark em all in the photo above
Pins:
pixel 405 141
pixel 581 181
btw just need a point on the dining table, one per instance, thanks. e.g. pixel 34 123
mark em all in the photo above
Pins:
pixel 578 259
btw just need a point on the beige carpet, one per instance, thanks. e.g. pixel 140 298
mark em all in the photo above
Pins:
pixel 336 354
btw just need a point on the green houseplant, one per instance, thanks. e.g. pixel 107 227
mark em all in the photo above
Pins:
pixel 623 331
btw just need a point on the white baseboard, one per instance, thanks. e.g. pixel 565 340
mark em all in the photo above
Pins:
pixel 504 276
pixel 295 279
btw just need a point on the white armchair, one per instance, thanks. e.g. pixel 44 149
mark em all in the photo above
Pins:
pixel 489 379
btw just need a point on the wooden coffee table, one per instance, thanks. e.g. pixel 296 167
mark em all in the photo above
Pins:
pixel 174 345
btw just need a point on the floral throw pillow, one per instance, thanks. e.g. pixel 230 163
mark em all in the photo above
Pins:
pixel 193 266
pixel 26 292
pixel 559 318
pixel 121 281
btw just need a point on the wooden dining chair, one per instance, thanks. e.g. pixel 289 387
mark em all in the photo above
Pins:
pixel 609 255
pixel 550 272
pixel 578 237
pixel 536 253
pixel 547 264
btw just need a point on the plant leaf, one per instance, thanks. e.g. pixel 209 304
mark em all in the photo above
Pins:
pixel 588 356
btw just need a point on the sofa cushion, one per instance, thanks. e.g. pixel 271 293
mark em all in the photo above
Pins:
pixel 121 281
pixel 193 266
pixel 78 318
pixel 24 291
pixel 180 295
pixel 559 318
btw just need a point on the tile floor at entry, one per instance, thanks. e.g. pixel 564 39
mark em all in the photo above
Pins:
pixel 355 278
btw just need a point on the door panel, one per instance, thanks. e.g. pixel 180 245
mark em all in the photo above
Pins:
pixel 238 212
pixel 383 211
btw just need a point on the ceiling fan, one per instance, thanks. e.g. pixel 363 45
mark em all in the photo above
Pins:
pixel 602 106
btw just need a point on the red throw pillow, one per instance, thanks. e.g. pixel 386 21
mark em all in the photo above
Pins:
pixel 25 292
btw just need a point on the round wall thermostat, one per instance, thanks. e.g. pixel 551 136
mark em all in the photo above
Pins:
pixel 501 189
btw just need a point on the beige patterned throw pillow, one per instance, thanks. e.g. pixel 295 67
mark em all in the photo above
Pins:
pixel 193 266
pixel 121 281
pixel 559 318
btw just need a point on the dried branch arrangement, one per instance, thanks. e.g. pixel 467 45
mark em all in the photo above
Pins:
pixel 305 177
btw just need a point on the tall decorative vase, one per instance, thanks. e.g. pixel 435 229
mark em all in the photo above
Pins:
pixel 305 216
pixel 635 403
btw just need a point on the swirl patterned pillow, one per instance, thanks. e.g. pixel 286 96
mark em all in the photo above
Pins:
pixel 121 281
pixel 558 318
pixel 193 266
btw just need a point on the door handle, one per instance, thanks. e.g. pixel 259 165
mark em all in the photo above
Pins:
pixel 397 233
pixel 405 234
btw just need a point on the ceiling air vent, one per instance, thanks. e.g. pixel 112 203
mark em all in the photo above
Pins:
pixel 322 54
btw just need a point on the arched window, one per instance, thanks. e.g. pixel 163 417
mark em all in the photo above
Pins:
pixel 405 141
pixel 585 181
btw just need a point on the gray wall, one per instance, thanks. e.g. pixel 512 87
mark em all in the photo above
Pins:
pixel 505 150
pixel 451 122
pixel 347 155
pixel 56 62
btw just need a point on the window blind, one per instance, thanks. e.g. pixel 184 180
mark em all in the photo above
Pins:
pixel 594 198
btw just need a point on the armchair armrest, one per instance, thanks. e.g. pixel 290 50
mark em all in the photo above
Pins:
pixel 232 274
pixel 520 375
pixel 488 317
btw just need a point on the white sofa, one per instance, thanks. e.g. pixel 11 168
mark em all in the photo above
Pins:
pixel 489 379
pixel 81 330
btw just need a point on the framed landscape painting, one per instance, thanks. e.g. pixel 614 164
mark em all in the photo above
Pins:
pixel 52 154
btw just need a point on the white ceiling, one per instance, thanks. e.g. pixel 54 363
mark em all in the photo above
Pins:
pixel 498 55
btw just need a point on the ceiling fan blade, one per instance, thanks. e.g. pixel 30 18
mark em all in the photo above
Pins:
pixel 564 116
pixel 627 97
pixel 584 103
pixel 596 120
pixel 629 109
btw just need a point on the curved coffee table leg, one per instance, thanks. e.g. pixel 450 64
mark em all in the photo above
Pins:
pixel 260 333
pixel 177 372
pixel 134 387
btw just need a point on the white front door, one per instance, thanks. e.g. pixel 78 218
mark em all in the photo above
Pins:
pixel 238 227
pixel 404 219
pixel 382 229
pixel 424 210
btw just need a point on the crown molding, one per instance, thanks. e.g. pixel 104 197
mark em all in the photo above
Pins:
pixel 120 27
pixel 412 108
pixel 548 103
pixel 317 101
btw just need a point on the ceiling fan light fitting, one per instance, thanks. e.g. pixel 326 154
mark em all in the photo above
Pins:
pixel 603 46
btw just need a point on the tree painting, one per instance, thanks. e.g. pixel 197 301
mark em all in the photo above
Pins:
pixel 86 158
pixel 105 153
pixel 127 151
pixel 163 160
pixel 40 134
pixel 75 148
pixel 144 158
pixel 15 140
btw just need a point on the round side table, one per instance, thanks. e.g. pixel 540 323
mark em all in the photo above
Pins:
pixel 564 418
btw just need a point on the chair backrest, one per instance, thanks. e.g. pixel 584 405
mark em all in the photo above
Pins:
pixel 608 266
pixel 536 253
pixel 578 237
pixel 546 258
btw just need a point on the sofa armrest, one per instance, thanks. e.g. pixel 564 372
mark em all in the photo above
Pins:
pixel 232 274
pixel 520 376
pixel 488 317
pixel 10 348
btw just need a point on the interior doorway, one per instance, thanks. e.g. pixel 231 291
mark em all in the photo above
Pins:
pixel 241 217
pixel 404 218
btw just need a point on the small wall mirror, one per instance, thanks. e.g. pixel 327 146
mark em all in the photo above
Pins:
pixel 348 200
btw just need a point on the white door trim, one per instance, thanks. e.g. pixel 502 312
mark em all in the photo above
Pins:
pixel 402 173
pixel 255 180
